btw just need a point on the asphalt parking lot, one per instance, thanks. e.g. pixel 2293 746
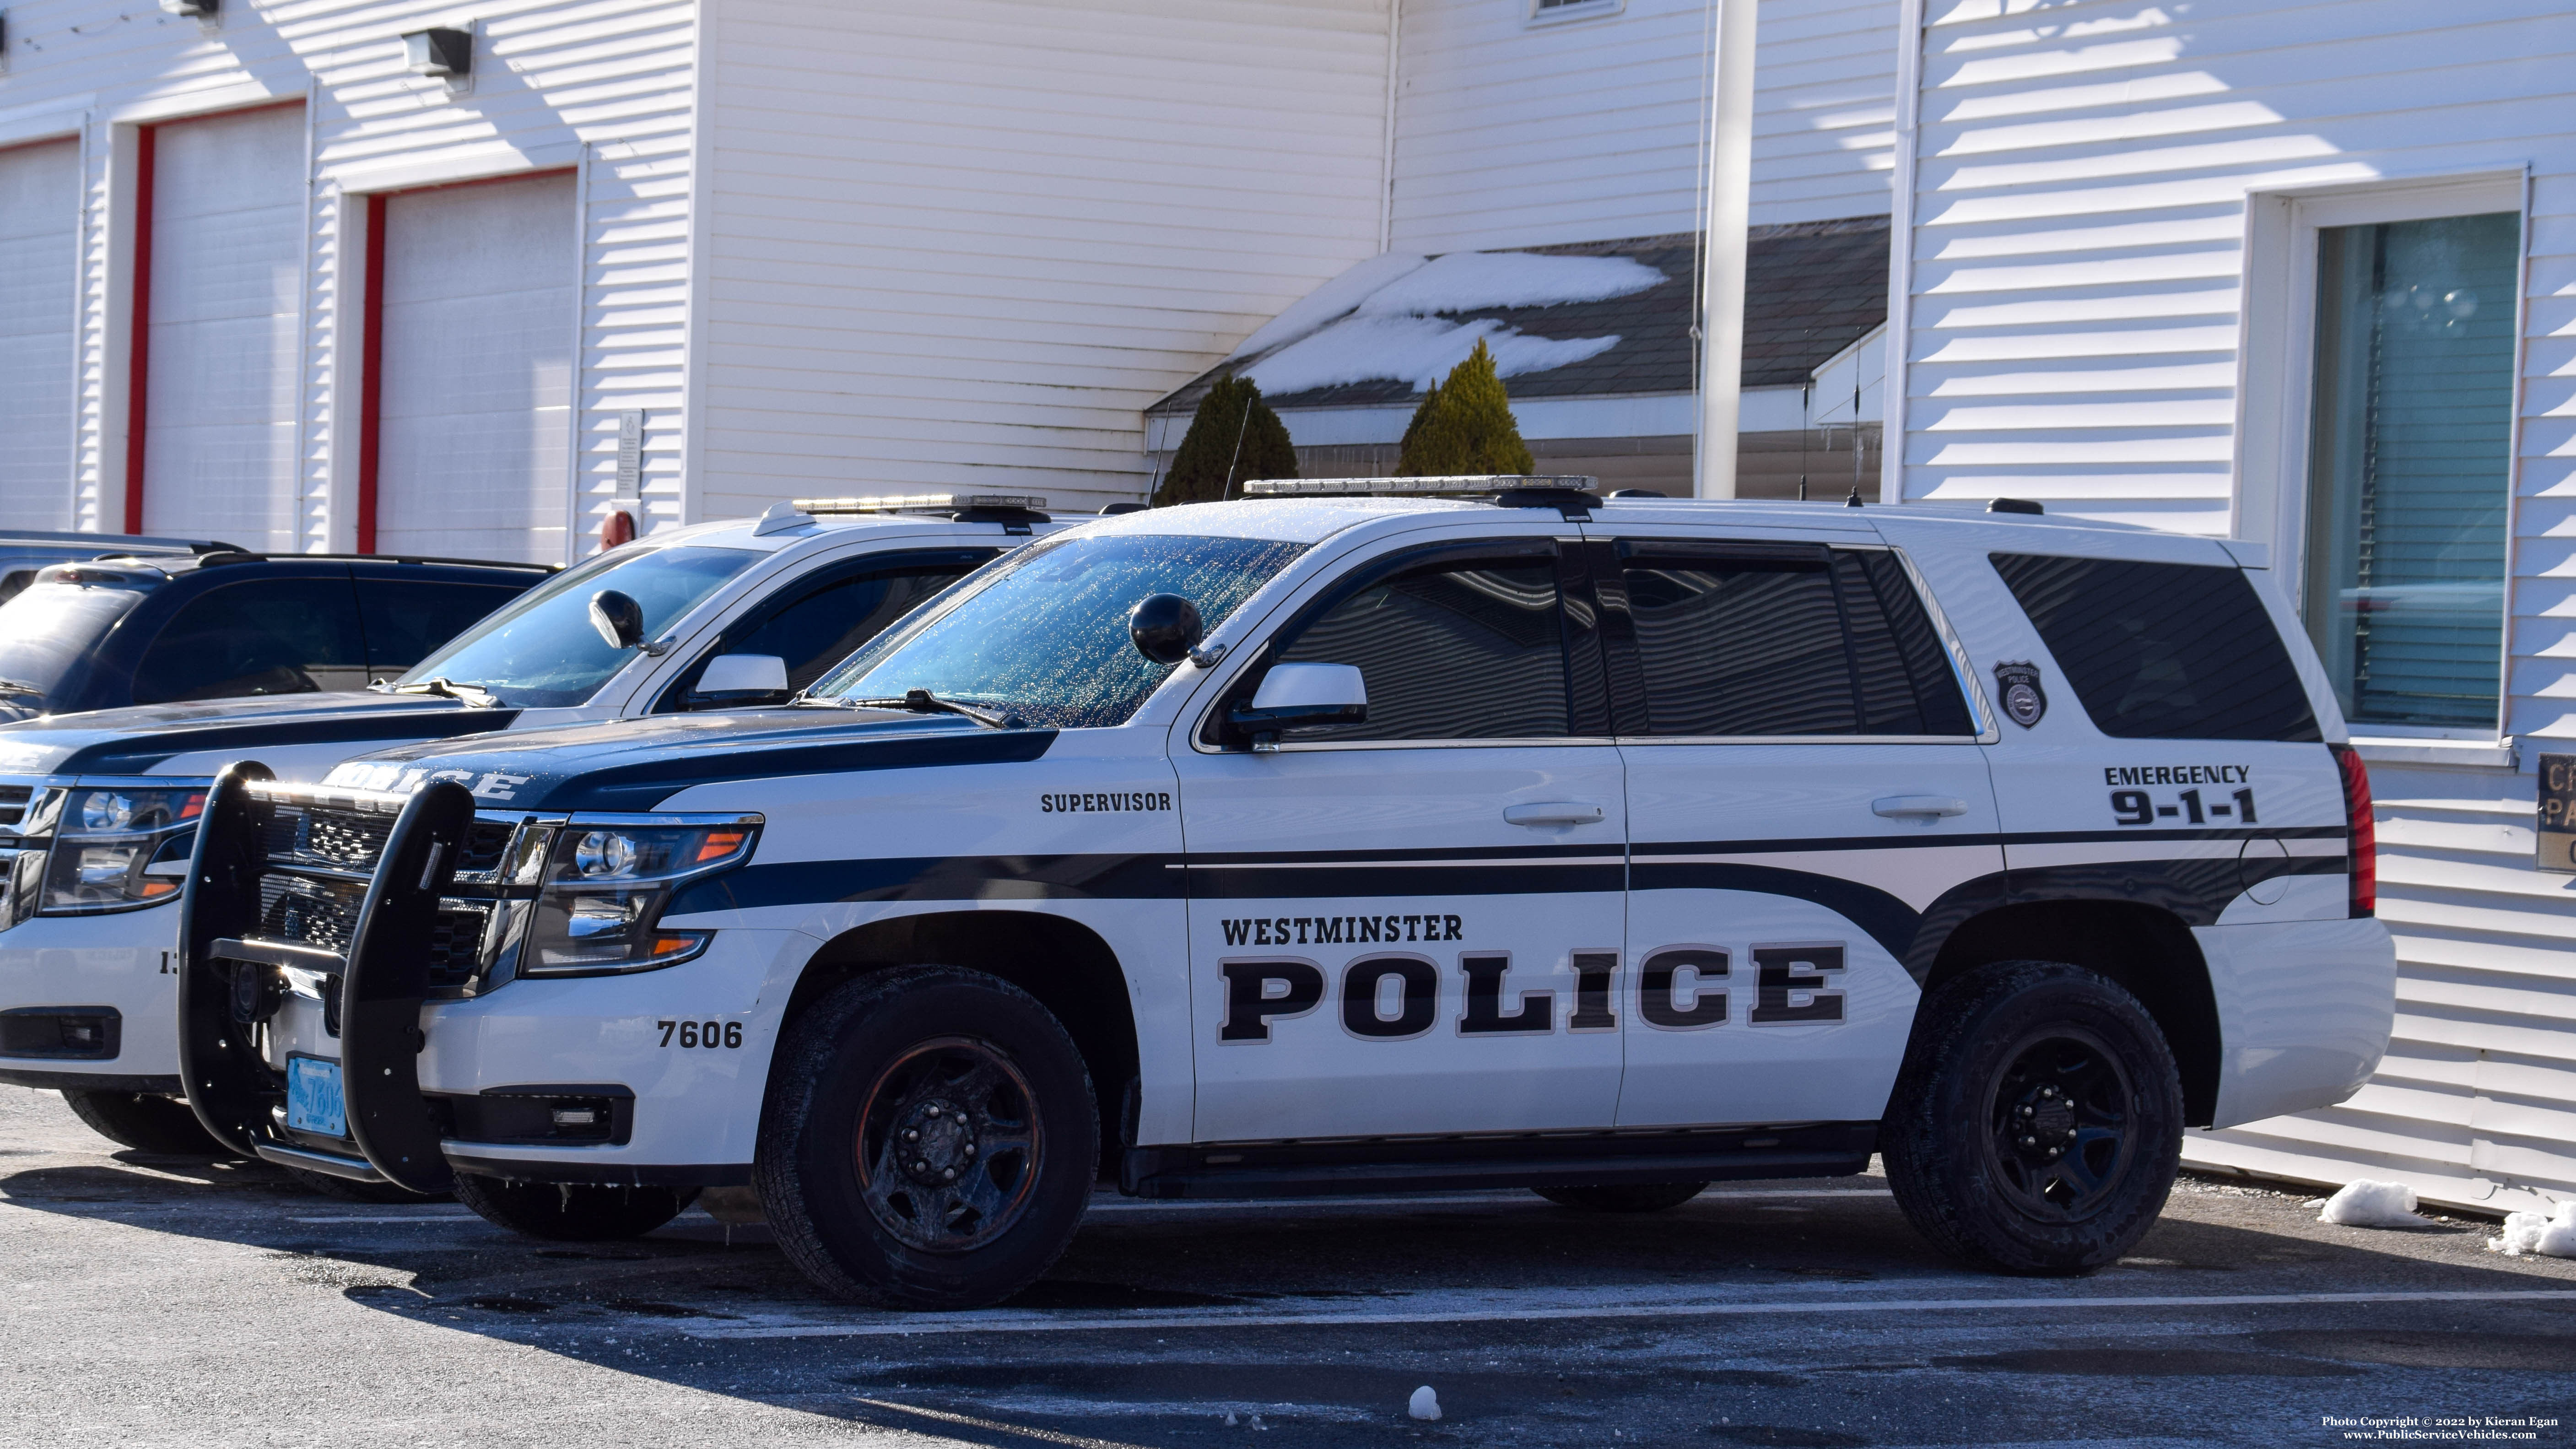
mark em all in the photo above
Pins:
pixel 156 1300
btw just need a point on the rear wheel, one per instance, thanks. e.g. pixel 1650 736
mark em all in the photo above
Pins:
pixel 351 1190
pixel 2037 1123
pixel 1633 1197
pixel 146 1122
pixel 929 1142
pixel 572 1213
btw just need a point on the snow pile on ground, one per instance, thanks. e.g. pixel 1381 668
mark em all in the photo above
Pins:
pixel 2363 1203
pixel 1424 1404
pixel 2550 1237
pixel 1384 318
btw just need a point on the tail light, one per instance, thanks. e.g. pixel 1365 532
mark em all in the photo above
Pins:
pixel 2364 834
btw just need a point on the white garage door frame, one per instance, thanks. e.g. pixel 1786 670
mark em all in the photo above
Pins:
pixel 141 143
pixel 26 147
pixel 368 210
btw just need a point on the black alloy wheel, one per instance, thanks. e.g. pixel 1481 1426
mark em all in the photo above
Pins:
pixel 949 1145
pixel 929 1140
pixel 2036 1125
pixel 2058 1125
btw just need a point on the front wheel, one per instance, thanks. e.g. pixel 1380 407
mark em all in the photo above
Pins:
pixel 929 1140
pixel 146 1122
pixel 571 1213
pixel 2037 1123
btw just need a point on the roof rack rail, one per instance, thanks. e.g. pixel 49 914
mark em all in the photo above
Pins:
pixel 1449 485
pixel 246 555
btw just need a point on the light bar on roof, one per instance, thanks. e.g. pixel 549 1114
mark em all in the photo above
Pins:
pixel 917 502
pixel 1472 483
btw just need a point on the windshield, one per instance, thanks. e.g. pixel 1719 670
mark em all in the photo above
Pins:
pixel 48 628
pixel 542 651
pixel 1043 632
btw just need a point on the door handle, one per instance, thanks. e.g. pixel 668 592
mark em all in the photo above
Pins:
pixel 1923 807
pixel 1557 813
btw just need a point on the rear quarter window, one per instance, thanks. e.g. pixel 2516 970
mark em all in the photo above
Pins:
pixel 2163 651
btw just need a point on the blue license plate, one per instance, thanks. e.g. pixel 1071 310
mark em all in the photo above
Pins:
pixel 313 1102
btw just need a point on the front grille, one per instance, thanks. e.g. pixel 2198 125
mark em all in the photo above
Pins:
pixel 456 946
pixel 318 913
pixel 487 843
pixel 13 803
pixel 321 835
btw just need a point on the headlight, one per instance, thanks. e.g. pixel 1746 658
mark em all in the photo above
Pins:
pixel 605 890
pixel 118 849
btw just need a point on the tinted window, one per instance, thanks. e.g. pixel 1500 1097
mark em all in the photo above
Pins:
pixel 49 628
pixel 1043 631
pixel 816 629
pixel 1457 650
pixel 542 650
pixel 2160 651
pixel 1788 641
pixel 260 636
pixel 404 619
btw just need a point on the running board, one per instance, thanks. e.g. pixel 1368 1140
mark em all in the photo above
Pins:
pixel 329 1164
pixel 1456 1164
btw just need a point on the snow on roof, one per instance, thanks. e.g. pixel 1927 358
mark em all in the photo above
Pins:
pixel 1418 350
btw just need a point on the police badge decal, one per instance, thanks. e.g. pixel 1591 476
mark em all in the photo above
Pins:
pixel 2020 686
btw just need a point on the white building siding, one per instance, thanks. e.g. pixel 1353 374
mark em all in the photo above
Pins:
pixel 963 246
pixel 604 88
pixel 39 258
pixel 2079 273
pixel 1512 133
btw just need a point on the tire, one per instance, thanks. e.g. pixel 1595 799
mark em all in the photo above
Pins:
pixel 351 1190
pixel 1633 1197
pixel 146 1122
pixel 2037 1122
pixel 987 1208
pixel 571 1213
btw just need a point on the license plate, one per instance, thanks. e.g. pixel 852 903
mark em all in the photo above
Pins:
pixel 313 1102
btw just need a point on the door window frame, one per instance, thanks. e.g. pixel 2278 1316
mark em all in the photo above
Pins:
pixel 2276 376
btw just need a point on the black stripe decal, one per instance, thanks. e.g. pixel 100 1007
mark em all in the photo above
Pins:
pixel 936 878
pixel 1792 844
pixel 1884 918
pixel 138 755
pixel 646 785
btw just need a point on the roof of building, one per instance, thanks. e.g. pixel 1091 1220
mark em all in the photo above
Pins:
pixel 1611 317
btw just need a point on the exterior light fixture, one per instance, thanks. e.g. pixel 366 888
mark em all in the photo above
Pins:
pixel 441 51
pixel 201 9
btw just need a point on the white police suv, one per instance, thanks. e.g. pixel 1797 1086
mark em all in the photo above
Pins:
pixel 98 811
pixel 1307 844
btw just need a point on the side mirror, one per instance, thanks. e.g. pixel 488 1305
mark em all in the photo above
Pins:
pixel 741 679
pixel 1165 627
pixel 1299 696
pixel 618 618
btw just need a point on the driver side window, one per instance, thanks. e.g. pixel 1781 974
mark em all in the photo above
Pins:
pixel 259 636
pixel 819 627
pixel 1456 649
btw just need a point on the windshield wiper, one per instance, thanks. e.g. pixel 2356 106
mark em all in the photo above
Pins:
pixel 474 695
pixel 21 687
pixel 922 701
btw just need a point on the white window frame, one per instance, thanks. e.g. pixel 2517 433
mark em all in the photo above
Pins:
pixel 2276 370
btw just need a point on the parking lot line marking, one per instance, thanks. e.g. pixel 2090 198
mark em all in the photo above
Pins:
pixel 1132 1205
pixel 1488 1310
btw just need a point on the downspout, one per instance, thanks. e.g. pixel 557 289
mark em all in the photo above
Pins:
pixel 1730 186
pixel 1900 258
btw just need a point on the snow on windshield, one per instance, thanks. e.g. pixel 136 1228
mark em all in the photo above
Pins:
pixel 1043 632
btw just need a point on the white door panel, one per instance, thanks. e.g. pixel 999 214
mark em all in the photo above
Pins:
pixel 39 262
pixel 220 392
pixel 1306 865
pixel 474 413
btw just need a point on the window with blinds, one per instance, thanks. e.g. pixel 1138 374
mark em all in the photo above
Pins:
pixel 2408 467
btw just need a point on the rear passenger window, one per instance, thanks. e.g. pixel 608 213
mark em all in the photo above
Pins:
pixel 407 618
pixel 2160 651
pixel 260 636
pixel 1785 639
pixel 1457 650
